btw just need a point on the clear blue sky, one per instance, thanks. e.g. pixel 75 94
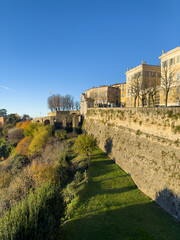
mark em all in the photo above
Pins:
pixel 71 45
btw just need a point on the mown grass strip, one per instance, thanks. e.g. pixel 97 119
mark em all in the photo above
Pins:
pixel 110 206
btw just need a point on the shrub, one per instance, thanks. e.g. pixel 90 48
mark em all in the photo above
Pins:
pixel 30 129
pixel 78 177
pixel 177 129
pixel 138 132
pixel 5 179
pixel 5 150
pixel 25 124
pixel 18 163
pixel 61 134
pixel 23 145
pixel 71 189
pixel 70 192
pixel 63 168
pixel 7 127
pixel 41 136
pixel 43 172
pixel 18 125
pixel 15 135
pixel 37 217
pixel 85 145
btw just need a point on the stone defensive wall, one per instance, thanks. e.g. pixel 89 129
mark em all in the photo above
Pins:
pixel 145 142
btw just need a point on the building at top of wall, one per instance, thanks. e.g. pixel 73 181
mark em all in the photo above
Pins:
pixel 85 103
pixel 170 65
pixel 122 93
pixel 140 81
pixel 104 95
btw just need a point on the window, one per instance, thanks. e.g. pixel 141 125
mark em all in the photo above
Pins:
pixel 147 74
pixel 171 78
pixel 178 77
pixel 123 90
pixel 171 92
pixel 95 94
pixel 153 74
pixel 123 85
pixel 164 64
pixel 178 59
pixel 122 95
pixel 105 94
pixel 137 75
pixel 158 75
pixel 177 90
pixel 171 61
pixel 100 95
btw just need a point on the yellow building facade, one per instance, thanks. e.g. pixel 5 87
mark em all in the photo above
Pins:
pixel 122 93
pixel 170 66
pixel 103 95
pixel 142 84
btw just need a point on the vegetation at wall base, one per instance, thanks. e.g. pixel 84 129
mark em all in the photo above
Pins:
pixel 37 217
pixel 110 206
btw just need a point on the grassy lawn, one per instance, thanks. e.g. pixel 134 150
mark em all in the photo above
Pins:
pixel 111 207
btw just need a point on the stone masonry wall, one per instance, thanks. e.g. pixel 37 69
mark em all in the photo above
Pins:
pixel 149 151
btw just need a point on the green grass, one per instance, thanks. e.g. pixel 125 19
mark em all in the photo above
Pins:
pixel 111 207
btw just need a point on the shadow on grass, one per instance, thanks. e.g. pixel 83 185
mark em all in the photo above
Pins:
pixel 93 190
pixel 107 179
pixel 137 222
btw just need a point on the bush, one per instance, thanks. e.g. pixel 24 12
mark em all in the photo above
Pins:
pixel 5 150
pixel 61 134
pixel 18 163
pixel 71 189
pixel 41 136
pixel 70 192
pixel 78 177
pixel 23 146
pixel 43 172
pixel 63 168
pixel 30 129
pixel 5 179
pixel 15 135
pixel 85 145
pixel 6 128
pixel 25 124
pixel 37 217
pixel 177 129
pixel 18 124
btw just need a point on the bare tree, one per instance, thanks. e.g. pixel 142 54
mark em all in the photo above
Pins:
pixel 153 89
pixel 167 78
pixel 135 87
pixel 77 105
pixel 54 102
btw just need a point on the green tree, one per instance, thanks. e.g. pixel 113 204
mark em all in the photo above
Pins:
pixel 13 118
pixel 85 145
pixel 3 113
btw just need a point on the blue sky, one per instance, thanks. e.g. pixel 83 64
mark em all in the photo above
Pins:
pixel 71 45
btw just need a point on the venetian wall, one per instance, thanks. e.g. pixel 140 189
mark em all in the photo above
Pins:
pixel 146 144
